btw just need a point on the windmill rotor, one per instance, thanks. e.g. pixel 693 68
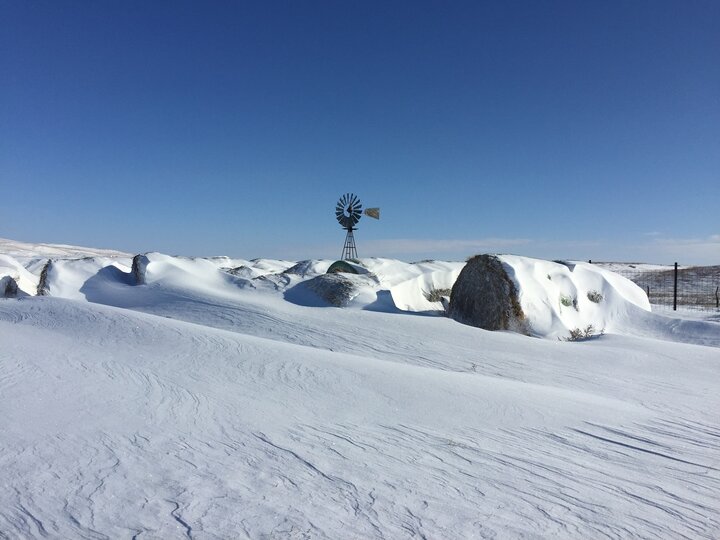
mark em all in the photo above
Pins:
pixel 348 210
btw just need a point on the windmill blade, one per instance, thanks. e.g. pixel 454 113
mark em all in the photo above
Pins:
pixel 373 213
pixel 355 206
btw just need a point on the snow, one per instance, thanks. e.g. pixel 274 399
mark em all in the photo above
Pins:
pixel 29 251
pixel 26 281
pixel 76 278
pixel 204 404
pixel 556 296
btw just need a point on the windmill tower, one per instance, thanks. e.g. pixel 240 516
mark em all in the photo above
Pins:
pixel 348 212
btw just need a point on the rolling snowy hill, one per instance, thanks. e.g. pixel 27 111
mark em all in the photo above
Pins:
pixel 221 398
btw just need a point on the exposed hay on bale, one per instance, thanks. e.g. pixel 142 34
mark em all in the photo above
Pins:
pixel 302 268
pixel 139 266
pixel 485 296
pixel 335 289
pixel 343 267
pixel 43 288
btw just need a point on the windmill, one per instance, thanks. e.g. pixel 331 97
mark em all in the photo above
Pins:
pixel 348 212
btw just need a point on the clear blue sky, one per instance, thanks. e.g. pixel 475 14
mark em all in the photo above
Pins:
pixel 554 129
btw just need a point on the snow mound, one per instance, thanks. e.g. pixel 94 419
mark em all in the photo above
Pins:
pixel 555 297
pixel 15 275
pixel 337 289
pixel 409 285
pixel 73 278
pixel 558 297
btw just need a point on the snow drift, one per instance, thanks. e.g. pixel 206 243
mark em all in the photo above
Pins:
pixel 554 297
pixel 224 398
pixel 16 278
pixel 557 297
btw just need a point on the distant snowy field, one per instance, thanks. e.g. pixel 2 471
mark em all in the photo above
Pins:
pixel 221 398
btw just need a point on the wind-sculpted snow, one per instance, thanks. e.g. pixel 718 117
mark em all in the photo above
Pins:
pixel 122 424
pixel 24 281
pixel 204 404
pixel 25 251
pixel 560 296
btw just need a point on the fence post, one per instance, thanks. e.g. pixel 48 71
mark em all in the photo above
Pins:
pixel 675 290
pixel 717 297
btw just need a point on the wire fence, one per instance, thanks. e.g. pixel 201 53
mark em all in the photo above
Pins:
pixel 675 287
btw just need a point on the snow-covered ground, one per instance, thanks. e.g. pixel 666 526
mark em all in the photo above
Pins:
pixel 221 399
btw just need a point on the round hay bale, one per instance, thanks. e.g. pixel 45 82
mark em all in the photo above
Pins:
pixel 485 296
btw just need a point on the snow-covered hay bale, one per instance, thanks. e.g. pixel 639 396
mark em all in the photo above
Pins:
pixel 485 296
pixel 339 290
pixel 139 265
pixel 335 289
pixel 180 272
pixel 308 268
pixel 543 298
pixel 8 287
pixel 43 285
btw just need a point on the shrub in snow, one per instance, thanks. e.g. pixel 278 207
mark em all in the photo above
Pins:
pixel 568 301
pixel 594 296
pixel 580 334
pixel 485 296
pixel 436 295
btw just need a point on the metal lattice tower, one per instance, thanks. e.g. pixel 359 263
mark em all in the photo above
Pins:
pixel 349 249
